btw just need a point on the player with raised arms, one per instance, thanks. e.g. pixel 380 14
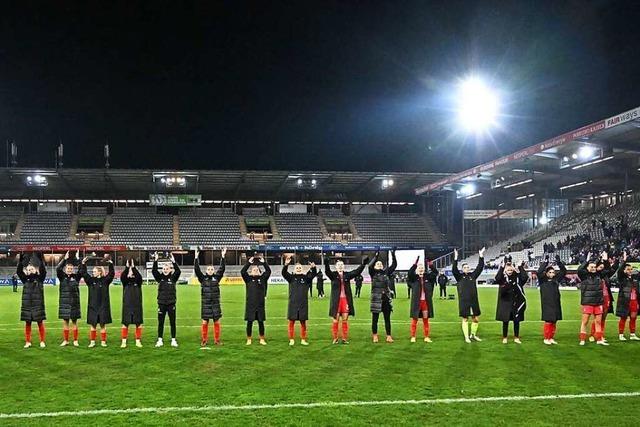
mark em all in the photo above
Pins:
pixel 210 308
pixel 298 307
pixel 468 302
pixel 341 304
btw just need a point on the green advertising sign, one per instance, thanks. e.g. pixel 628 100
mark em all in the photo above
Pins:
pixel 175 199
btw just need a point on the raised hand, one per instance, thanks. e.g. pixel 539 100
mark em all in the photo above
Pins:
pixel 173 259
pixel 481 252
pixel 455 254
pixel 66 256
pixel 604 256
pixel 624 256
pixel 224 252
pixel 196 252
pixel 85 259
pixel 588 256
pixel 287 260
pixel 78 254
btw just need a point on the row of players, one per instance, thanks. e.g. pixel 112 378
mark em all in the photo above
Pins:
pixel 595 288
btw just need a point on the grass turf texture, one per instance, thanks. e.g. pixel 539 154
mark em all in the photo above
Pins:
pixel 71 379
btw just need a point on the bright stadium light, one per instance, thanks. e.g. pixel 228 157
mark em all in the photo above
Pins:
pixel 478 105
pixel 468 189
pixel 586 152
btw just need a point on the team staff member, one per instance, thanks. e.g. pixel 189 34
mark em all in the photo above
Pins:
pixel 382 292
pixel 167 297
pixel 131 303
pixel 14 282
pixel 210 308
pixel 256 284
pixel 591 299
pixel 421 284
pixel 341 304
pixel 69 298
pixel 549 284
pixel 320 285
pixel 468 303
pixel 298 308
pixel 627 300
pixel 443 281
pixel 32 309
pixel 512 302
pixel 358 281
pixel 98 302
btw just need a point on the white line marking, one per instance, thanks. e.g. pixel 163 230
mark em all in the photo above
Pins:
pixel 306 405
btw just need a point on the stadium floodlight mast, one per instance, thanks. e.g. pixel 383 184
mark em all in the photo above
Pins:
pixel 477 105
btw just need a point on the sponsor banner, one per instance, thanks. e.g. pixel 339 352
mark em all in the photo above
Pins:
pixel 219 247
pixel 498 214
pixel 154 248
pixel 7 282
pixel 64 248
pixel 525 152
pixel 175 199
pixel 53 207
pixel 627 116
pixel 287 208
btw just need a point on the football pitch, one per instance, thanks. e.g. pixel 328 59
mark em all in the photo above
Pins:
pixel 447 382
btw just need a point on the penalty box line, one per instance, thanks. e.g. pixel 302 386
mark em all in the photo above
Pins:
pixel 307 405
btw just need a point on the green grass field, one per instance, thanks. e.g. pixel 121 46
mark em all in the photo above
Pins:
pixel 80 379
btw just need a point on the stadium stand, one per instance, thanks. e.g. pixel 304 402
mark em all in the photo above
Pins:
pixel 394 228
pixel 210 226
pixel 298 228
pixel 141 226
pixel 46 228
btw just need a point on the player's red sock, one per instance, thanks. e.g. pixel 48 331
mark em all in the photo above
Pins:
pixel 92 335
pixel 27 332
pixel 425 326
pixel 303 330
pixel 124 332
pixel 583 336
pixel 345 329
pixel 593 329
pixel 103 336
pixel 414 326
pixel 41 331
pixel 621 324
pixel 632 324
pixel 204 332
pixel 138 332
pixel 216 330
pixel 292 324
pixel 334 330
pixel 75 333
pixel 65 334
pixel 545 330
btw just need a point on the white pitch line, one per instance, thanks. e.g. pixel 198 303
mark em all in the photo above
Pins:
pixel 307 405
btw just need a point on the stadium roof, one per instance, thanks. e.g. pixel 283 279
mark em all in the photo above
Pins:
pixel 597 159
pixel 223 185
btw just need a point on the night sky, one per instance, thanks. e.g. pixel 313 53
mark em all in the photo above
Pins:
pixel 301 85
